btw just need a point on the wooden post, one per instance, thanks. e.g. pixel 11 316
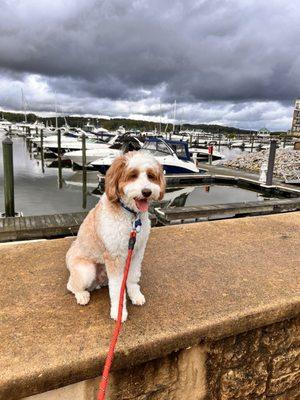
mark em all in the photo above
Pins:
pixel 210 154
pixel 252 142
pixel 59 158
pixel 284 141
pixel 42 150
pixel 84 185
pixel 271 162
pixel 8 167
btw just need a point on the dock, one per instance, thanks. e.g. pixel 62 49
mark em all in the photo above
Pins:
pixel 219 211
pixel 43 226
pixel 40 226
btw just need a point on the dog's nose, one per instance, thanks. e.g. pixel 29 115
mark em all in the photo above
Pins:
pixel 146 192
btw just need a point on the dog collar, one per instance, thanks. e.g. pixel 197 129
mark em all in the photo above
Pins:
pixel 137 223
pixel 128 209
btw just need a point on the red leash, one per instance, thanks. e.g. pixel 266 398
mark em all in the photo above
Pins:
pixel 114 339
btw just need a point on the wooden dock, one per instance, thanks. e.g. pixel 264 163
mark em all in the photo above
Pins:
pixel 44 226
pixel 217 211
pixel 40 226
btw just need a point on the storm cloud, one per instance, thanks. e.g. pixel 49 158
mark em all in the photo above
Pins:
pixel 231 62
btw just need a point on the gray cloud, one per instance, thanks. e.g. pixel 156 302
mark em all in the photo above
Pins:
pixel 120 57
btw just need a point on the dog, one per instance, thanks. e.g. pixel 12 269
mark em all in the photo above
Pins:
pixel 97 256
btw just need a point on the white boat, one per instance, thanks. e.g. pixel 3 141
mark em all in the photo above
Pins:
pixel 204 153
pixel 255 145
pixel 238 143
pixel 112 148
pixel 4 124
pixel 172 155
pixel 71 144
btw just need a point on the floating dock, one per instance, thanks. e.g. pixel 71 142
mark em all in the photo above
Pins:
pixel 40 226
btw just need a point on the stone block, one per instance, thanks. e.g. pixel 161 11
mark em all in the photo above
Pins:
pixel 244 382
pixel 286 363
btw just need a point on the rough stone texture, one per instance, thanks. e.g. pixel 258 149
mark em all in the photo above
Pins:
pixel 202 282
pixel 260 364
pixel 174 377
pixel 287 162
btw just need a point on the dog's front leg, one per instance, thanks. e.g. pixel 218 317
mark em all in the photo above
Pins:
pixel 133 287
pixel 115 270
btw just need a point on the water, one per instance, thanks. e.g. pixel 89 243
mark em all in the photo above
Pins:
pixel 37 193
pixel 209 194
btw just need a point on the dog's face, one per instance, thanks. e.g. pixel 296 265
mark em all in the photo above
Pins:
pixel 136 178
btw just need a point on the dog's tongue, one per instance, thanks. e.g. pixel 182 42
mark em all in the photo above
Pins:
pixel 142 204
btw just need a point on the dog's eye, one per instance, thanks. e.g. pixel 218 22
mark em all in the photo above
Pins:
pixel 151 176
pixel 133 175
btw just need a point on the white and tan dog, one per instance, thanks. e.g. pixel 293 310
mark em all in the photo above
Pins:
pixel 98 254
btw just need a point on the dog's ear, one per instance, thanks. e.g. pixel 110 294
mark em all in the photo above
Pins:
pixel 112 178
pixel 162 182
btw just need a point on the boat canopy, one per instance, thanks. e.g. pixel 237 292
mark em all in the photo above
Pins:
pixel 162 147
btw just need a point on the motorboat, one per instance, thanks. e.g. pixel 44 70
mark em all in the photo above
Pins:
pixel 173 155
pixel 202 153
pixel 111 149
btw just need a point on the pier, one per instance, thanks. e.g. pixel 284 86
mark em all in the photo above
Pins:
pixel 40 226
pixel 221 316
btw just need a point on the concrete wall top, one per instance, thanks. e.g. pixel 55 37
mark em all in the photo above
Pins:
pixel 201 281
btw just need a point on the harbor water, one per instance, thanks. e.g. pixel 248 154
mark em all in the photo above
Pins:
pixel 37 193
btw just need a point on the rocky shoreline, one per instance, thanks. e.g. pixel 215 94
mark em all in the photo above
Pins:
pixel 287 163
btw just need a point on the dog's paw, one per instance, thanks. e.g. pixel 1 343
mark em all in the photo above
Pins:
pixel 138 299
pixel 114 314
pixel 82 297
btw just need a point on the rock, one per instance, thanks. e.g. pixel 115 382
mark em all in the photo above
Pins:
pixel 287 163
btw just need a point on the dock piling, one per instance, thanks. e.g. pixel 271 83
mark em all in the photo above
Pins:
pixel 42 150
pixel 8 168
pixel 59 158
pixel 210 154
pixel 284 141
pixel 271 162
pixel 252 142
pixel 84 183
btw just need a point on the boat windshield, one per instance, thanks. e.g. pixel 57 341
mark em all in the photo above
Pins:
pixel 157 148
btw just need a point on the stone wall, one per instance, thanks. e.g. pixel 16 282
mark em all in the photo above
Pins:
pixel 262 364
pixel 257 365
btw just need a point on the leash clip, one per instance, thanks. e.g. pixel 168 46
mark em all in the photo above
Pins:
pixel 137 224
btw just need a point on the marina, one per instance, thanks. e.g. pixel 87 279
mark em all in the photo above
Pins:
pixel 211 191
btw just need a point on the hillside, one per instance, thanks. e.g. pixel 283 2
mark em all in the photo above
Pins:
pixel 114 123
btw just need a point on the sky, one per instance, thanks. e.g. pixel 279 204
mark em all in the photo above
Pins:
pixel 230 62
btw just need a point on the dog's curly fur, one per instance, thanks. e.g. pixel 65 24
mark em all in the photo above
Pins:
pixel 98 254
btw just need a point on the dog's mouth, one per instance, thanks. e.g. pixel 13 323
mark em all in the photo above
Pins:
pixel 142 204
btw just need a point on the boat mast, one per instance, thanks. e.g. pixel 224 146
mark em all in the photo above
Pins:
pixel 24 105
pixel 159 117
pixel 174 116
pixel 56 121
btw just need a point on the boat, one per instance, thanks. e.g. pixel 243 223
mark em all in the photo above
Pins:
pixel 173 155
pixel 4 124
pixel 71 144
pixel 111 149
pixel 238 143
pixel 204 153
